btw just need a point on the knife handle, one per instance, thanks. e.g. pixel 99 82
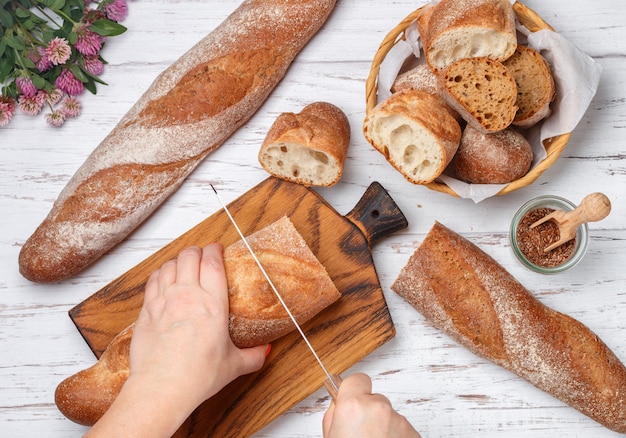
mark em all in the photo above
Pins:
pixel 329 386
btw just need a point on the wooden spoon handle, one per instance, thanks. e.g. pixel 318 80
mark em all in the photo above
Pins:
pixel 592 208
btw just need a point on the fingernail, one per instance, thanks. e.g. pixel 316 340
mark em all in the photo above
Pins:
pixel 269 348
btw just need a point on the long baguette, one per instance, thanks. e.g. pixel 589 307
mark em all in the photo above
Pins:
pixel 468 295
pixel 188 111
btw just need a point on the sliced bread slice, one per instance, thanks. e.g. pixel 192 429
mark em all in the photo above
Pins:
pixel 482 91
pixel 535 85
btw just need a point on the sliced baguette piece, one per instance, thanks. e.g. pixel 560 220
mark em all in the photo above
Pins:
pixel 308 148
pixel 482 91
pixel 415 133
pixel 535 85
pixel 454 29
pixel 465 293
pixel 497 158
pixel 256 315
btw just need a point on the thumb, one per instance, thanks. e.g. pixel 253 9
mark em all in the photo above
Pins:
pixel 327 421
pixel 252 359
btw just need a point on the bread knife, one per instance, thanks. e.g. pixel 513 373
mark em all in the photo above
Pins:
pixel 332 381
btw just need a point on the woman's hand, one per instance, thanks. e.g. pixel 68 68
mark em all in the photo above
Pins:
pixel 181 352
pixel 181 344
pixel 357 412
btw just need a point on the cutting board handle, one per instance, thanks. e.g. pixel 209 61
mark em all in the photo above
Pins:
pixel 376 214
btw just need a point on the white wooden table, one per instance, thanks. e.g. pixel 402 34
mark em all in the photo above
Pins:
pixel 443 389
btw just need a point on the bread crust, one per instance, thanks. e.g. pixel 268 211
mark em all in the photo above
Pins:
pixel 168 132
pixel 415 132
pixel 497 158
pixel 256 315
pixel 423 78
pixel 468 295
pixel 308 148
pixel 455 29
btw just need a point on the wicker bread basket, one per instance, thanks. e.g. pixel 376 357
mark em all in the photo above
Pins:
pixel 527 17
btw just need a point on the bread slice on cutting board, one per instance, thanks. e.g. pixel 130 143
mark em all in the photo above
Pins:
pixel 256 315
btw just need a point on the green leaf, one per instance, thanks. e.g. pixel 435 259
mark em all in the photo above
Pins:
pixel 106 27
pixel 3 46
pixel 17 42
pixel 6 19
pixel 91 86
pixel 54 4
pixel 78 72
pixel 72 38
pixel 28 63
pixel 38 81
pixel 22 13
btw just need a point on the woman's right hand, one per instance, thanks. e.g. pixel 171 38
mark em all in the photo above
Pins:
pixel 357 412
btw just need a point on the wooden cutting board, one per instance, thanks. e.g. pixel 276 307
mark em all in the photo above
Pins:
pixel 343 334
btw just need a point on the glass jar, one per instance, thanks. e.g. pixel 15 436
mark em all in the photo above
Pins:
pixel 524 241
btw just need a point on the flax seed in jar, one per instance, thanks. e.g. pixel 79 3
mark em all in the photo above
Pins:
pixel 528 243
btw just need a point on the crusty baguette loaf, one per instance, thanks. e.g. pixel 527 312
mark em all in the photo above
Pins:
pixel 415 132
pixel 189 110
pixel 535 85
pixel 497 158
pixel 256 315
pixel 482 91
pixel 307 148
pixel 456 29
pixel 468 295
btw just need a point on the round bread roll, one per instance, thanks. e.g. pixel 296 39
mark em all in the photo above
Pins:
pixel 415 132
pixel 497 158
pixel 307 148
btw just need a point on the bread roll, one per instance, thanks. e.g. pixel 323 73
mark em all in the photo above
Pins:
pixel 256 315
pixel 187 112
pixel 308 148
pixel 535 86
pixel 482 91
pixel 497 158
pixel 415 133
pixel 465 293
pixel 454 29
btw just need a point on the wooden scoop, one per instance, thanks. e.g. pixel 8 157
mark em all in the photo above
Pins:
pixel 592 208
